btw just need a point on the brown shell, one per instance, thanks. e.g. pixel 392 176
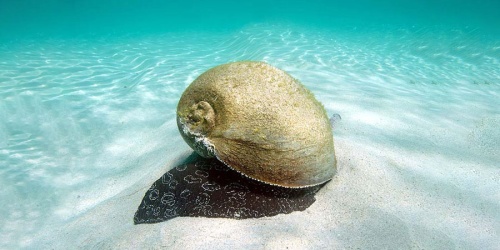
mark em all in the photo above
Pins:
pixel 259 121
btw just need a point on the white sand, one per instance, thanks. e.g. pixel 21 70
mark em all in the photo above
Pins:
pixel 418 161
pixel 388 194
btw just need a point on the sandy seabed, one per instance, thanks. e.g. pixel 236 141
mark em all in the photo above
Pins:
pixel 87 126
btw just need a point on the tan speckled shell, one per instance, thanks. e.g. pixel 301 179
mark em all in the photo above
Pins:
pixel 259 121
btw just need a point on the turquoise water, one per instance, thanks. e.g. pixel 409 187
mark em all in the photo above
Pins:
pixel 88 92
pixel 75 18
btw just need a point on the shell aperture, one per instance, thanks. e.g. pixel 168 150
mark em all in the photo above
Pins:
pixel 259 121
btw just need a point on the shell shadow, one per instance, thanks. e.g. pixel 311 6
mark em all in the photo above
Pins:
pixel 207 188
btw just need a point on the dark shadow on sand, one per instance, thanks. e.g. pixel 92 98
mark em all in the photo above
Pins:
pixel 207 188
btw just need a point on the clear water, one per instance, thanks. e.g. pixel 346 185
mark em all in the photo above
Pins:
pixel 88 91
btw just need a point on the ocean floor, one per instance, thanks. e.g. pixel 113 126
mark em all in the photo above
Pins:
pixel 87 125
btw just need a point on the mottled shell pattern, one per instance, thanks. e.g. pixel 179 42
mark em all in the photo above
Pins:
pixel 259 121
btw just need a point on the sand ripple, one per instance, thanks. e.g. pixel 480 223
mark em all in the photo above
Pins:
pixel 82 121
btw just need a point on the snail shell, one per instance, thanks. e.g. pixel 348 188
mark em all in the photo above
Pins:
pixel 259 121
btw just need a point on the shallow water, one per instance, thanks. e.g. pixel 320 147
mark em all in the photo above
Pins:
pixel 87 123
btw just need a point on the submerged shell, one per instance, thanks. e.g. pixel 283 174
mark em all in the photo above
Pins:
pixel 259 121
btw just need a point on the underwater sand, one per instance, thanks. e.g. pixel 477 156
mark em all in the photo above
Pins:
pixel 86 126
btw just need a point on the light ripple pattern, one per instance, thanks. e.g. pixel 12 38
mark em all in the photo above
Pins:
pixel 87 125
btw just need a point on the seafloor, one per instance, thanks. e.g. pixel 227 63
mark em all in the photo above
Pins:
pixel 87 125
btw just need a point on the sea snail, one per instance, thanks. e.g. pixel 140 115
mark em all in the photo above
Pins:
pixel 259 121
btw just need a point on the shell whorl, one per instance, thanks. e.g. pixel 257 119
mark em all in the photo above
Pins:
pixel 195 124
